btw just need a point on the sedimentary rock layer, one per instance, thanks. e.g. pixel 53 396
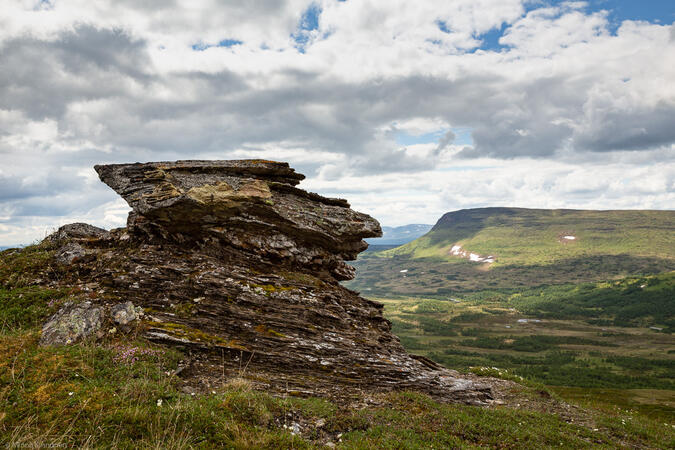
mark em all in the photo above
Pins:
pixel 234 264
pixel 251 205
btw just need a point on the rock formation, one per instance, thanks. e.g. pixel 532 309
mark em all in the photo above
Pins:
pixel 238 267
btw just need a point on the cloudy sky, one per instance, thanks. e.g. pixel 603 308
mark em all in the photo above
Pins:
pixel 409 109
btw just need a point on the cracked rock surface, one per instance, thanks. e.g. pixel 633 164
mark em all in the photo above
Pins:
pixel 240 268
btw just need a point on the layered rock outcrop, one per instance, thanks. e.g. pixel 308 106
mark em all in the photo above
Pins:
pixel 240 268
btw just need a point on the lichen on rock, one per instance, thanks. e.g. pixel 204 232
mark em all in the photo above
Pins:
pixel 69 253
pixel 240 268
pixel 123 313
pixel 72 323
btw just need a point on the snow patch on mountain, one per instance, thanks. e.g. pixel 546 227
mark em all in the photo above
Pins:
pixel 457 250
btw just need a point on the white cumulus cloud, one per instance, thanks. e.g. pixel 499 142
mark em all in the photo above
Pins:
pixel 408 109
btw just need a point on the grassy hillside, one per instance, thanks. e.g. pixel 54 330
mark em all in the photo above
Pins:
pixel 529 248
pixel 87 397
pixel 518 236
pixel 124 392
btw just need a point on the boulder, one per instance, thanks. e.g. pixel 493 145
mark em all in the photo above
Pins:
pixel 70 238
pixel 78 231
pixel 69 252
pixel 72 323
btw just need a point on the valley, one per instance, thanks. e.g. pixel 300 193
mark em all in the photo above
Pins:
pixel 590 318
pixel 571 356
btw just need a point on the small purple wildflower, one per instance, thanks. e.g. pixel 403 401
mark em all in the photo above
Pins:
pixel 129 354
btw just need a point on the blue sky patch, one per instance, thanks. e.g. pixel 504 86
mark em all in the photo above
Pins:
pixel 443 26
pixel 200 46
pixel 308 23
pixel 490 40
pixel 655 11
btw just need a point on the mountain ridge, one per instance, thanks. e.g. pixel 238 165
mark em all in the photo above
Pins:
pixel 514 232
pixel 512 248
pixel 400 235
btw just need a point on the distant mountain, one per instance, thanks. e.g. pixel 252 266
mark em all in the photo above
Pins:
pixel 400 235
pixel 542 236
pixel 5 247
pixel 510 248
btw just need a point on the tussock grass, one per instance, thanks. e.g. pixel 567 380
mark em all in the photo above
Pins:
pixel 78 396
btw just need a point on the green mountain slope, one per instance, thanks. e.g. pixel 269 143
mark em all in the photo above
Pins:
pixel 513 248
pixel 543 236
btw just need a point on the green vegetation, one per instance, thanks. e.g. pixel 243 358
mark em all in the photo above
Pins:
pixel 82 396
pixel 659 404
pixel 413 421
pixel 530 250
pixel 427 277
pixel 596 311
pixel 518 236
pixel 19 268
pixel 644 301
pixel 26 307
pixel 532 343
pixel 562 350
pixel 633 301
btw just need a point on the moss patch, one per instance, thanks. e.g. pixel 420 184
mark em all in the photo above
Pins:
pixel 262 329
pixel 185 309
